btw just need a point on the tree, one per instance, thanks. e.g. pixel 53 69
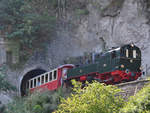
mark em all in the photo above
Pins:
pixel 93 98
pixel 27 22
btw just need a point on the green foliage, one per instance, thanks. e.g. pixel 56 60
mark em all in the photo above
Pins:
pixel 4 84
pixel 145 4
pixel 44 102
pixel 140 103
pixel 93 98
pixel 82 12
pixel 27 23
pixel 96 4
pixel 17 106
pixel 113 8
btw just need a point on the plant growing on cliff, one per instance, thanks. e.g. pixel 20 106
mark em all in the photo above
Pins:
pixel 4 84
pixel 27 22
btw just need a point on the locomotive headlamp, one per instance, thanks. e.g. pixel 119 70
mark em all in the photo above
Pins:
pixel 122 66
pixel 141 68
pixel 132 45
pixel 131 61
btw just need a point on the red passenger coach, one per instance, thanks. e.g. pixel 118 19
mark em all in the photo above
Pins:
pixel 51 80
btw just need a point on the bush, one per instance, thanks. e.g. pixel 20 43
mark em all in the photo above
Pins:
pixel 44 102
pixel 4 84
pixel 140 103
pixel 93 98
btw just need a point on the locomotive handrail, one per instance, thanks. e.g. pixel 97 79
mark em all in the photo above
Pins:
pixel 131 58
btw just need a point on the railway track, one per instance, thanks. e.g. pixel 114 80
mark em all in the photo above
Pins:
pixel 133 82
pixel 131 88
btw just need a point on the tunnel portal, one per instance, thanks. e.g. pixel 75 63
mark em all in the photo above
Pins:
pixel 27 76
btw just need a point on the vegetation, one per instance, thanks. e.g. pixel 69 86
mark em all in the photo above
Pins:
pixel 4 84
pixel 44 102
pixel 93 98
pixel 82 12
pixel 113 8
pixel 146 8
pixel 27 22
pixel 140 103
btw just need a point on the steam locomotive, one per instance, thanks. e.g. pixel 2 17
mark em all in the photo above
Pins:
pixel 117 65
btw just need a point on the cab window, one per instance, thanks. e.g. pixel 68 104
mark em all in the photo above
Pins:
pixel 127 53
pixel 134 53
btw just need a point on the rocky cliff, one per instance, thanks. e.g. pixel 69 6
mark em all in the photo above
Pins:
pixel 108 23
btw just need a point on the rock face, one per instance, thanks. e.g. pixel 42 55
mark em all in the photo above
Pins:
pixel 109 23
pixel 113 23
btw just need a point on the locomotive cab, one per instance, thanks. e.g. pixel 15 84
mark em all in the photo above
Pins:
pixel 130 58
pixel 130 62
pixel 130 51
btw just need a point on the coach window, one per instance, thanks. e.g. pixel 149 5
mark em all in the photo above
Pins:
pixel 127 53
pixel 31 83
pixel 50 76
pixel 39 82
pixel 55 74
pixel 134 53
pixel 46 77
pixel 42 79
pixel 35 82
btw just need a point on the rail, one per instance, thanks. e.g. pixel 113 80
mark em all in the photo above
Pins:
pixel 133 82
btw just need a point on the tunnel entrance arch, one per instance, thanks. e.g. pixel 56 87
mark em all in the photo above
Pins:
pixel 30 74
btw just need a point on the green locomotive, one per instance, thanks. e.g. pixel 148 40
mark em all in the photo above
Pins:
pixel 114 66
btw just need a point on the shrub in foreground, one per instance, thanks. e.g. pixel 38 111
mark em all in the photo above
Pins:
pixel 44 102
pixel 93 98
pixel 140 103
